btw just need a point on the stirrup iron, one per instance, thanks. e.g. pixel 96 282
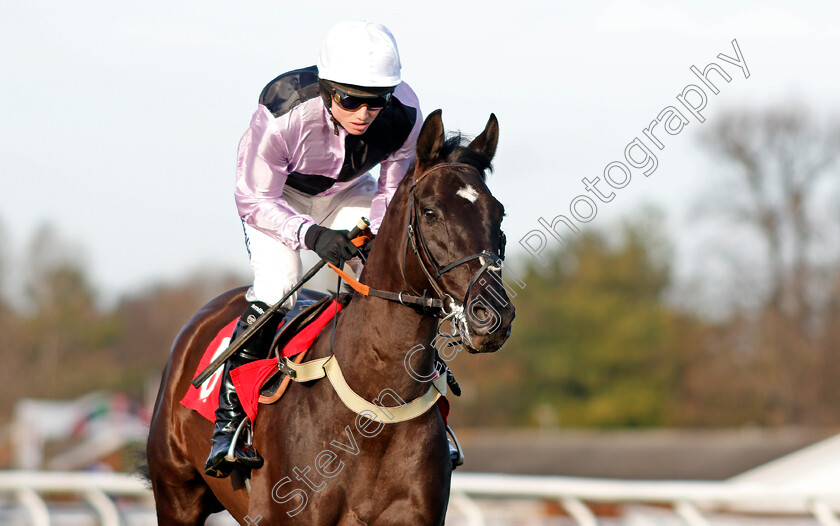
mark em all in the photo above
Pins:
pixel 459 459
pixel 242 425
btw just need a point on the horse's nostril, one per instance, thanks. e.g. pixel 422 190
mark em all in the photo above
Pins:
pixel 482 319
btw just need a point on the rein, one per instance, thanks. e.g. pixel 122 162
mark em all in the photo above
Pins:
pixel 402 298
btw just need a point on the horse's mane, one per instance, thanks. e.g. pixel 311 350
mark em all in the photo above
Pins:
pixel 344 298
pixel 456 149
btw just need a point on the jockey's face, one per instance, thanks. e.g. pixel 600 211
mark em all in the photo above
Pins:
pixel 357 121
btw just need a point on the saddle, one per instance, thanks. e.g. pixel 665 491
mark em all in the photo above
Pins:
pixel 310 305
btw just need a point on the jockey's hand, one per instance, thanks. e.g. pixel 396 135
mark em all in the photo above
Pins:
pixel 331 245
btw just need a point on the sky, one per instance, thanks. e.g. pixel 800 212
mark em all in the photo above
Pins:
pixel 120 121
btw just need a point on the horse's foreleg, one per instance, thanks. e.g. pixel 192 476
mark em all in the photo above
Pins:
pixel 182 497
pixel 183 503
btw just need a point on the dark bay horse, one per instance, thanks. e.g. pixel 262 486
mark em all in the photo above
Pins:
pixel 326 465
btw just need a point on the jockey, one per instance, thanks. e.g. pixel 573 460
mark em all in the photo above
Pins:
pixel 302 178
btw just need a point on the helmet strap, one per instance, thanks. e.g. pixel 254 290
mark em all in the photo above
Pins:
pixel 326 96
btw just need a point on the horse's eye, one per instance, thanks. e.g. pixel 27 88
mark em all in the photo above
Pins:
pixel 429 213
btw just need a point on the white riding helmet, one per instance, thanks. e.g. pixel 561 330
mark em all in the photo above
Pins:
pixel 360 53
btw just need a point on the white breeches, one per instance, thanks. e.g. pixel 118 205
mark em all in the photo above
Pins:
pixel 277 268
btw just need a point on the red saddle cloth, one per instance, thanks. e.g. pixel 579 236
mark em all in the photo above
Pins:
pixel 248 379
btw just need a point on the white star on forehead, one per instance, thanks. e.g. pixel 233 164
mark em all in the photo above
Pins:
pixel 469 193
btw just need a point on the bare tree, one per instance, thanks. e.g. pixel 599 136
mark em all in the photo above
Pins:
pixel 782 186
pixel 61 302
pixel 784 164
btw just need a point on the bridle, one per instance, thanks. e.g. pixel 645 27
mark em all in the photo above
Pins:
pixel 442 304
pixel 414 236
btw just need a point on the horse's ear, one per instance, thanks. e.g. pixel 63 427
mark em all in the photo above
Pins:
pixel 489 138
pixel 431 139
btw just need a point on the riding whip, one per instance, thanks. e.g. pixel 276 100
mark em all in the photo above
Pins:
pixel 254 327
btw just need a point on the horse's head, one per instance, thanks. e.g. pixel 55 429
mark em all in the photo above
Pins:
pixel 454 241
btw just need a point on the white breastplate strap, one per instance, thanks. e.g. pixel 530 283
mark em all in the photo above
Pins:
pixel 328 366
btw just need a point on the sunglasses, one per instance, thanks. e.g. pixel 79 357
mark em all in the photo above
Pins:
pixel 352 102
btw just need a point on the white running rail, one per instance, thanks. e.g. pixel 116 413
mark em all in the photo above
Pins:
pixel 691 501
pixel 95 488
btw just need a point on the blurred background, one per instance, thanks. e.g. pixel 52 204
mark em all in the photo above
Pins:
pixel 690 330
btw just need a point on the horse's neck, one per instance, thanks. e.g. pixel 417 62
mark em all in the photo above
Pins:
pixel 376 335
pixel 373 339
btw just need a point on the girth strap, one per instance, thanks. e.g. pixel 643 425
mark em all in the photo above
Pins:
pixel 328 366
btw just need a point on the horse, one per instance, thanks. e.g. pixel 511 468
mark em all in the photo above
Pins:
pixel 324 464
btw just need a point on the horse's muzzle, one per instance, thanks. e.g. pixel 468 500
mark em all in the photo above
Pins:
pixel 489 325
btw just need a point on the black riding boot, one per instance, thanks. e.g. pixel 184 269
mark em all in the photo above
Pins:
pixel 230 413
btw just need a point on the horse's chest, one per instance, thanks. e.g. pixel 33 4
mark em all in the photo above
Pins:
pixel 320 456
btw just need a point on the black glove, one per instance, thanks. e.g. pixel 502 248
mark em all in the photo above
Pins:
pixel 331 245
